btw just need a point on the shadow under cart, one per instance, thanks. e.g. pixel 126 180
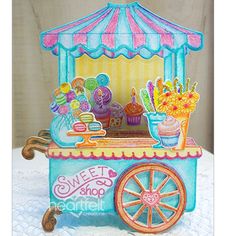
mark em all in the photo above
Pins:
pixel 149 189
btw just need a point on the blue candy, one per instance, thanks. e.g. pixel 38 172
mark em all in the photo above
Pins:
pixel 103 79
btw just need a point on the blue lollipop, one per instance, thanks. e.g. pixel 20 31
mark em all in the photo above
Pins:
pixel 103 79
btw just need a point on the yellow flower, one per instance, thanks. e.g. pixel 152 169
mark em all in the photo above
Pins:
pixel 165 97
pixel 174 109
pixel 163 107
pixel 188 107
pixel 191 97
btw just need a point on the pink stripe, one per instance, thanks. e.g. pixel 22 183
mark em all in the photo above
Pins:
pixel 108 38
pixel 81 36
pixel 193 39
pixel 166 37
pixel 138 35
pixel 51 37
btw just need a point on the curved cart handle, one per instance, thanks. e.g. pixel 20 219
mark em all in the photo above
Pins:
pixel 39 143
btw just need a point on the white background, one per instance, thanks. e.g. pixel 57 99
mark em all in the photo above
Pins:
pixel 225 90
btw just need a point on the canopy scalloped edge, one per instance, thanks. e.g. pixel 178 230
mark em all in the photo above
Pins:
pixel 121 29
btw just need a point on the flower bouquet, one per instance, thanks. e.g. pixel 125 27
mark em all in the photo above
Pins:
pixel 176 103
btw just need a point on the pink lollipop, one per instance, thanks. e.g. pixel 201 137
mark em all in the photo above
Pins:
pixel 106 95
pixel 63 110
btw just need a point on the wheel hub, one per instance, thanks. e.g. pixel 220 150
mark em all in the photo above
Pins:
pixel 150 198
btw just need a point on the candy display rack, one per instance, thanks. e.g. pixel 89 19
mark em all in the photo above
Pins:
pixel 148 184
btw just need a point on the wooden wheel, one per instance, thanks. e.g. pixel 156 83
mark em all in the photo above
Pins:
pixel 150 198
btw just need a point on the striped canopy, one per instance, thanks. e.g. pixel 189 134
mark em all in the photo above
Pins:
pixel 121 29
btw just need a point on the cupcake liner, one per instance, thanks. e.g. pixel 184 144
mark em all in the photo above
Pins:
pixel 133 120
pixel 169 141
pixel 105 121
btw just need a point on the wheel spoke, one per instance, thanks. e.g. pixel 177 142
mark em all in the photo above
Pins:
pixel 132 192
pixel 139 212
pixel 139 183
pixel 163 183
pixel 133 203
pixel 168 207
pixel 149 217
pixel 151 180
pixel 161 214
pixel 170 194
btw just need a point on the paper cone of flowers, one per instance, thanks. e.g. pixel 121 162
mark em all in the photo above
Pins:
pixel 172 99
pixel 180 105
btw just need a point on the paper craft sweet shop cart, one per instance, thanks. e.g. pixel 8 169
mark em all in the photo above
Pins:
pixel 132 171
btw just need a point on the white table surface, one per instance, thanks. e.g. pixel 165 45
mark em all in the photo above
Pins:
pixel 30 201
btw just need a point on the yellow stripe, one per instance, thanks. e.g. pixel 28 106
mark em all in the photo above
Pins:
pixel 124 73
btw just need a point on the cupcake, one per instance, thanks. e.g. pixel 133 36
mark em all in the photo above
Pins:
pixel 133 111
pixel 117 113
pixel 102 114
pixel 169 132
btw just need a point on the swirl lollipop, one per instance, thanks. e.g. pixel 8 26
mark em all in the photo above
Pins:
pixel 103 80
pixel 91 84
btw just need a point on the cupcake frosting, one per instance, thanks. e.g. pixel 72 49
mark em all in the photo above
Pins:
pixel 133 109
pixel 116 110
pixel 169 127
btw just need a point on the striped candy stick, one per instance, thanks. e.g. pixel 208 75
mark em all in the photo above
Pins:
pixel 146 100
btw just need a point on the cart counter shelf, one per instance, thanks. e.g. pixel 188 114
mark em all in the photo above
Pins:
pixel 148 188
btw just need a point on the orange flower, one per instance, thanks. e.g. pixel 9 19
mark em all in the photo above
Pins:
pixel 174 109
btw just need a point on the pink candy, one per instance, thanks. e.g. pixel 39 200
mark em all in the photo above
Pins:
pixel 63 110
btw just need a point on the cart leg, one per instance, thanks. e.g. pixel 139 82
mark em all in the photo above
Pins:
pixel 49 221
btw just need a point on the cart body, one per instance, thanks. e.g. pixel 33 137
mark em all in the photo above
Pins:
pixel 86 179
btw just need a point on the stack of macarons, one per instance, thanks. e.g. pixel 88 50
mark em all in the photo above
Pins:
pixel 86 123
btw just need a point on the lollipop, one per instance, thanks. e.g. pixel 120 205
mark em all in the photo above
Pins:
pixel 105 97
pixel 70 96
pixel 57 92
pixel 76 113
pixel 103 79
pixel 63 110
pixel 78 85
pixel 54 107
pixel 74 104
pixel 81 98
pixel 91 84
pixel 65 87
pixel 84 106
pixel 61 99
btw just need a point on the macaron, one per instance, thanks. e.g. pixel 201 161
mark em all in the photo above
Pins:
pixel 94 126
pixel 86 117
pixel 79 127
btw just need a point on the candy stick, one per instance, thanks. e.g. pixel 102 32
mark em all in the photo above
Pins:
pixel 159 84
pixel 181 89
pixel 187 84
pixel 150 89
pixel 156 98
pixel 146 100
pixel 194 87
pixel 133 95
pixel 175 84
pixel 166 87
pixel 169 84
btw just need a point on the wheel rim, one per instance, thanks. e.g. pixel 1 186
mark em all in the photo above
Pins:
pixel 155 206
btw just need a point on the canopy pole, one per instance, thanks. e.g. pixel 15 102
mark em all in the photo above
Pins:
pixel 180 66
pixel 168 73
pixel 70 67
pixel 62 63
pixel 66 66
